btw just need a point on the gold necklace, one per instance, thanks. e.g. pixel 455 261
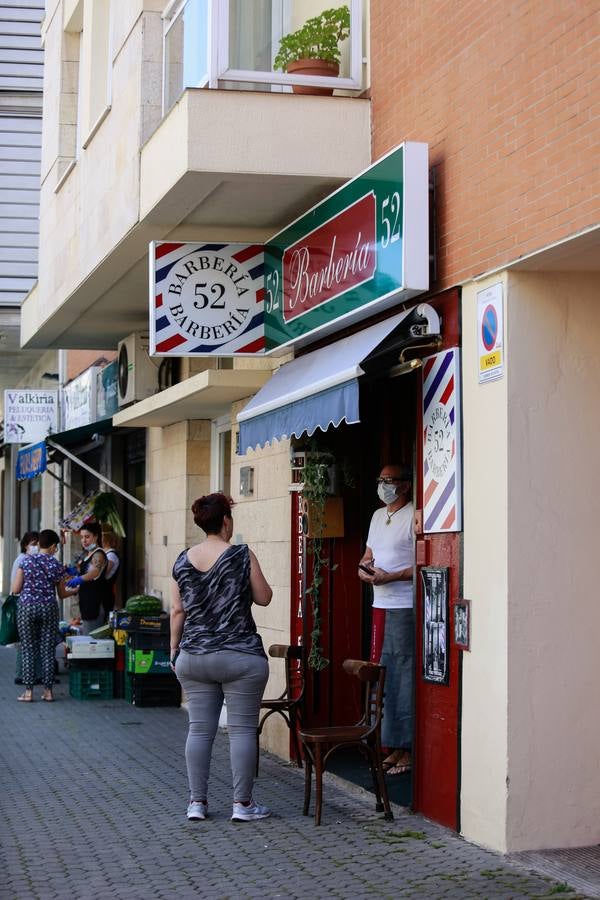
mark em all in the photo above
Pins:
pixel 391 515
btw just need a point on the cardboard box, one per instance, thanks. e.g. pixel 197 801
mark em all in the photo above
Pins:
pixel 125 621
pixel 148 662
pixel 84 647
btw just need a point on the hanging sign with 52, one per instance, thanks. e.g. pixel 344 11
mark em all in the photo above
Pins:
pixel 362 249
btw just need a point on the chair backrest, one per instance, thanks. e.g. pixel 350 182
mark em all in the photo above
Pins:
pixel 294 668
pixel 373 678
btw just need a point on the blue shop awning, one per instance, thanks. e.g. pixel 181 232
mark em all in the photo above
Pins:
pixel 318 389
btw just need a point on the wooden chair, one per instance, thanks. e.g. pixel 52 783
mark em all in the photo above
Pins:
pixel 289 704
pixel 320 743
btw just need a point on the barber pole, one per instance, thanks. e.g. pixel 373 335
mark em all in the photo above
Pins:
pixel 442 490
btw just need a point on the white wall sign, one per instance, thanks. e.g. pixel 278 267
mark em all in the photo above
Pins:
pixel 490 333
pixel 29 415
pixel 206 299
pixel 79 398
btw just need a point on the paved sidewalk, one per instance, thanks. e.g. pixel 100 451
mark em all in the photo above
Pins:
pixel 93 798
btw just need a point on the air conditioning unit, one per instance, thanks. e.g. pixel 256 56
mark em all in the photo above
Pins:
pixel 138 373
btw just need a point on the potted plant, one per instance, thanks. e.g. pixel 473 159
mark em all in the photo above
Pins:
pixel 314 49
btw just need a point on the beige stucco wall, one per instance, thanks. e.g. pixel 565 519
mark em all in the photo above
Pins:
pixel 484 692
pixel 529 732
pixel 88 214
pixel 263 521
pixel 554 509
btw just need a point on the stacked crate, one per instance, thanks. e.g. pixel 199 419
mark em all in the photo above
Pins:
pixel 91 664
pixel 148 679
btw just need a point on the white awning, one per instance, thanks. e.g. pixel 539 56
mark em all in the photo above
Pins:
pixel 320 388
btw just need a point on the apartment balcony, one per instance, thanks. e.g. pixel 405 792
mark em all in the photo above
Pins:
pixel 236 156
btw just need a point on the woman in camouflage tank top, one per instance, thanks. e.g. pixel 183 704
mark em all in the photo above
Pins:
pixel 218 654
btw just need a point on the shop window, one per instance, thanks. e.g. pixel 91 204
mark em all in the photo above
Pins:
pixel 220 469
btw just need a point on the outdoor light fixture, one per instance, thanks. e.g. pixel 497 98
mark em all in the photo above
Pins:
pixel 405 367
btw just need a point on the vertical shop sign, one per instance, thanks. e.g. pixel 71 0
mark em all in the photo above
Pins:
pixel 29 415
pixel 79 399
pixel 32 461
pixel 206 299
pixel 490 330
pixel 435 625
pixel 442 490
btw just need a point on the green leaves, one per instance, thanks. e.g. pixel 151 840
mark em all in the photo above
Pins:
pixel 105 510
pixel 319 38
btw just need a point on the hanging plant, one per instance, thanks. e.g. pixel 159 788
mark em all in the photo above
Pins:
pixel 315 492
pixel 106 512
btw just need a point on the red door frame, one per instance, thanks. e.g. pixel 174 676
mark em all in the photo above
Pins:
pixel 436 750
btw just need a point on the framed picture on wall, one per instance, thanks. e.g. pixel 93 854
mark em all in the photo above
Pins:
pixel 462 624
pixel 436 664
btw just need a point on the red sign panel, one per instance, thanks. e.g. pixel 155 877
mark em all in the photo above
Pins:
pixel 332 259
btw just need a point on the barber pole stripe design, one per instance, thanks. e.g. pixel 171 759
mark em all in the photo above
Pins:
pixel 185 334
pixel 442 489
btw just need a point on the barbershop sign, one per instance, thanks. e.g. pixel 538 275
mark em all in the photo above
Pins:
pixel 362 249
pixel 206 299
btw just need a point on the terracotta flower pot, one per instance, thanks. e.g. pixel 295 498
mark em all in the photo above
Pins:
pixel 313 67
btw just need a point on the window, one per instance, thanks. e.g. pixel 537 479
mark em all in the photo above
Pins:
pixel 233 43
pixel 95 68
pixel 220 467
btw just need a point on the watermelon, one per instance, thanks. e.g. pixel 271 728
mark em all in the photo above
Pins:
pixel 143 605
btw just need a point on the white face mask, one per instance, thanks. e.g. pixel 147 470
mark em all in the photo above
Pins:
pixel 386 493
pixel 32 549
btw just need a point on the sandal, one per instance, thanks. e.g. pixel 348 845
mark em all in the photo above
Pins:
pixel 392 760
pixel 47 697
pixel 27 697
pixel 399 770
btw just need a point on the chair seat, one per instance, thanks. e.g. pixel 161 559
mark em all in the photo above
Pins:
pixel 334 734
pixel 277 704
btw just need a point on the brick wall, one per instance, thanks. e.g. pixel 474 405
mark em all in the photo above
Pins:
pixel 79 360
pixel 507 94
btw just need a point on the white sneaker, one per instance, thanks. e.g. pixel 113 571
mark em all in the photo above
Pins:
pixel 249 813
pixel 196 810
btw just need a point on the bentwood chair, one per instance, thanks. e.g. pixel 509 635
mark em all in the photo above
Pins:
pixel 289 704
pixel 320 743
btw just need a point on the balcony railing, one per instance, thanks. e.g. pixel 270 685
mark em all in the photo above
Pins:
pixel 233 44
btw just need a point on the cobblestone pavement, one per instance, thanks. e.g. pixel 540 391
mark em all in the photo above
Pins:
pixel 93 797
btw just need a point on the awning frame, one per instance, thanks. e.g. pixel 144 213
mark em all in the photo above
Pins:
pixel 98 475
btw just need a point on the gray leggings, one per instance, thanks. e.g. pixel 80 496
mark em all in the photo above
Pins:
pixel 207 678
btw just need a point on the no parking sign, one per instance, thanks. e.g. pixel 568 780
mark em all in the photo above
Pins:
pixel 490 330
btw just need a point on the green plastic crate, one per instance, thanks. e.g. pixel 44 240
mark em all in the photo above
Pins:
pixel 148 662
pixel 88 684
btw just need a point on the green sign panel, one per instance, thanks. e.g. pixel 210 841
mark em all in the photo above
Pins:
pixel 362 249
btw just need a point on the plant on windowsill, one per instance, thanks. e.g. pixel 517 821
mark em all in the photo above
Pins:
pixel 314 49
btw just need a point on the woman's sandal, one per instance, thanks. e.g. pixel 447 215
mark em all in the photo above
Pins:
pixel 47 697
pixel 25 698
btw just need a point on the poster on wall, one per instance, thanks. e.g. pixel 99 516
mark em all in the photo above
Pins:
pixel 442 488
pixel 490 330
pixel 206 299
pixel 29 415
pixel 435 624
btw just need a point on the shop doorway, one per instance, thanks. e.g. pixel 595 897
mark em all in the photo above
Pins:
pixel 386 434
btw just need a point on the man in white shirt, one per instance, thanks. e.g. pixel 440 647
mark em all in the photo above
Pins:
pixel 388 564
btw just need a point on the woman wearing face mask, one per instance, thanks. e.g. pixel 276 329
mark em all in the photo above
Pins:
pixel 38 578
pixel 29 546
pixel 91 583
pixel 387 564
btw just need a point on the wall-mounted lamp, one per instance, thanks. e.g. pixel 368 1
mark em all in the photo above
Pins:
pixel 405 367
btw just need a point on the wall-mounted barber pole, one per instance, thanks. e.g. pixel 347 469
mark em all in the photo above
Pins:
pixel 442 489
pixel 206 299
